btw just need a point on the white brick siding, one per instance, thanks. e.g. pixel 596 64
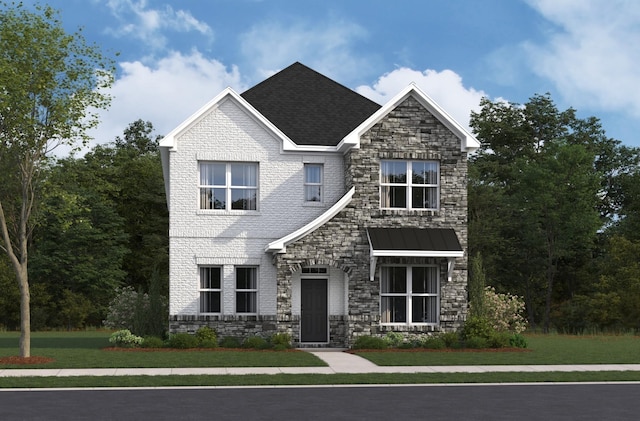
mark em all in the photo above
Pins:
pixel 203 237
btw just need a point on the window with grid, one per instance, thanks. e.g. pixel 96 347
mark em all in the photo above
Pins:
pixel 409 184
pixel 228 185
pixel 313 182
pixel 210 289
pixel 409 295
pixel 246 290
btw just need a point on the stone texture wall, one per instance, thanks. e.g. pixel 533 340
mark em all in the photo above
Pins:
pixel 409 132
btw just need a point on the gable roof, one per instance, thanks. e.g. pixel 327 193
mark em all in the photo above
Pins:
pixel 308 107
pixel 468 142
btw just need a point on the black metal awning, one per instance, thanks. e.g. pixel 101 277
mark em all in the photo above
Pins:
pixel 413 242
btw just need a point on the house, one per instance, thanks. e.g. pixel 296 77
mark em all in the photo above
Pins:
pixel 300 206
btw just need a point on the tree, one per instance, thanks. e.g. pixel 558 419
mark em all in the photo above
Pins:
pixel 541 186
pixel 49 82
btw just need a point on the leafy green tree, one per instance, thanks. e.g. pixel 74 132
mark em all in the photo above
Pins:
pixel 541 186
pixel 50 82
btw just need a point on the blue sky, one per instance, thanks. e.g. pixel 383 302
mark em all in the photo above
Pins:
pixel 175 55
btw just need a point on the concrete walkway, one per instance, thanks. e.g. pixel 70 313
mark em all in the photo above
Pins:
pixel 338 362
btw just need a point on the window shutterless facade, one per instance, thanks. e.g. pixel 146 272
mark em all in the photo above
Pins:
pixel 247 290
pixel 228 185
pixel 409 184
pixel 210 289
pixel 313 177
pixel 410 295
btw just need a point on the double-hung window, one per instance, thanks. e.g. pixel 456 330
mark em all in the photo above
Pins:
pixel 409 295
pixel 246 290
pixel 210 289
pixel 409 184
pixel 313 182
pixel 228 185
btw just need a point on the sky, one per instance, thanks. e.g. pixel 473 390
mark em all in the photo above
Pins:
pixel 173 56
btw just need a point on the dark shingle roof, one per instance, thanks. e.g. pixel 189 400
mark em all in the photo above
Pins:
pixel 308 107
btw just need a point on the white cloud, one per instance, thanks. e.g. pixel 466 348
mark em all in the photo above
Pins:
pixel 327 47
pixel 591 53
pixel 164 94
pixel 148 25
pixel 444 87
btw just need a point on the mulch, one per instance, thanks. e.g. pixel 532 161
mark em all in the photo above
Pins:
pixel 25 360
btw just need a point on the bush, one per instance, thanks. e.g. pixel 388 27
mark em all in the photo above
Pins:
pixel 138 312
pixel 230 342
pixel 280 341
pixel 124 338
pixel 504 311
pixel 476 342
pixel 451 339
pixel 434 342
pixel 255 342
pixel 394 339
pixel 207 337
pixel 152 342
pixel 518 341
pixel 370 342
pixel 182 341
pixel 477 327
pixel 499 339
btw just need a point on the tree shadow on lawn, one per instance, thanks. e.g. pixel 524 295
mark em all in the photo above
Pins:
pixel 56 342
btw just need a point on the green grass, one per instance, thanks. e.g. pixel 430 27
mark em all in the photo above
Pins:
pixel 87 350
pixel 542 349
pixel 313 379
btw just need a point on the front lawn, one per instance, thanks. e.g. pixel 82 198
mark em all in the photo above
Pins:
pixel 542 349
pixel 88 350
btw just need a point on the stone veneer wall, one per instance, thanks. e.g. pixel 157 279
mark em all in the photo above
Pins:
pixel 409 132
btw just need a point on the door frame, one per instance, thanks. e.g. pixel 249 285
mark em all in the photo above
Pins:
pixel 325 278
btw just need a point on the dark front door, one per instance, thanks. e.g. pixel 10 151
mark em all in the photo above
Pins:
pixel 314 323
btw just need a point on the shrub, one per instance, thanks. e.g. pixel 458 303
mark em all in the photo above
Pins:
pixel 255 342
pixel 280 341
pixel 124 338
pixel 476 326
pixel 207 337
pixel 138 312
pixel 183 341
pixel 394 339
pixel 504 311
pixel 499 339
pixel 230 342
pixel 434 342
pixel 451 339
pixel 476 342
pixel 518 341
pixel 370 342
pixel 152 342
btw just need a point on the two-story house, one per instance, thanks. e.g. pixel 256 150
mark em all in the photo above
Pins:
pixel 300 206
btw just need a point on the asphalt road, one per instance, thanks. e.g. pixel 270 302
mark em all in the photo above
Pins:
pixel 445 402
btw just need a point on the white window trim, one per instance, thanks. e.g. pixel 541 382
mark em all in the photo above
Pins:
pixel 228 187
pixel 409 185
pixel 409 296
pixel 201 289
pixel 310 184
pixel 251 290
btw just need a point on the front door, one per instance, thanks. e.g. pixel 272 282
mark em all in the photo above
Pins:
pixel 314 321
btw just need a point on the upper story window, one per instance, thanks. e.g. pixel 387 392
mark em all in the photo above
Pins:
pixel 409 184
pixel 228 185
pixel 313 174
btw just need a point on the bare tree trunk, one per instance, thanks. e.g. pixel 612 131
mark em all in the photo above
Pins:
pixel 25 314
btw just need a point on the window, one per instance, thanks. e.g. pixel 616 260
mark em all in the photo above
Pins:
pixel 409 184
pixel 409 295
pixel 228 186
pixel 246 290
pixel 210 289
pixel 313 182
pixel 314 270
